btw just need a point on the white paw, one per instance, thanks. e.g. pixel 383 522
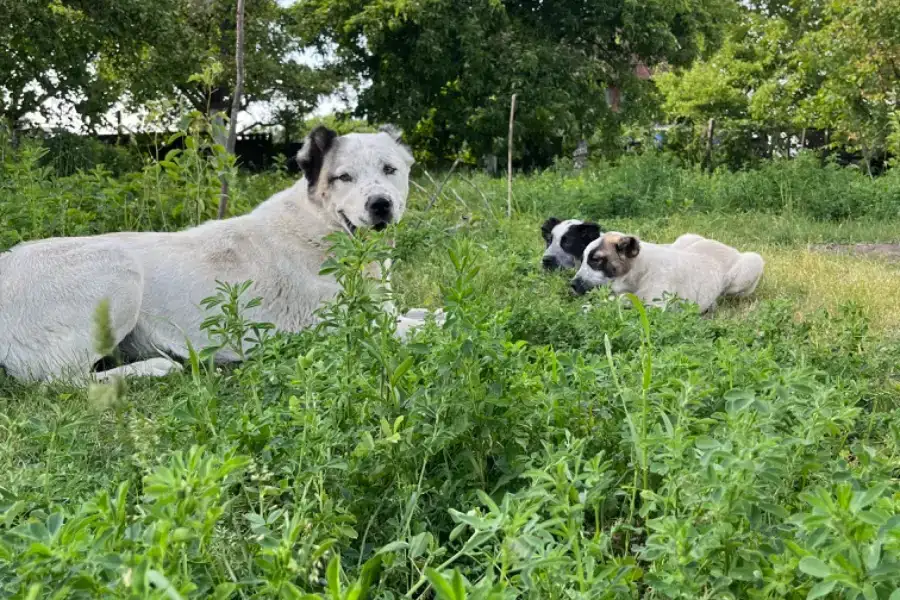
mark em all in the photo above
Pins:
pixel 159 367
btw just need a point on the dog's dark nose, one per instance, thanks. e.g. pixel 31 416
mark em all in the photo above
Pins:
pixel 578 287
pixel 550 263
pixel 380 209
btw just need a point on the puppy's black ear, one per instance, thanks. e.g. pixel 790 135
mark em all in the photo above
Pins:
pixel 547 228
pixel 312 155
pixel 578 237
pixel 628 246
pixel 588 232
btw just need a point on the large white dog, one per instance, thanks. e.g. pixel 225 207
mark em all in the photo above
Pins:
pixel 154 282
pixel 693 268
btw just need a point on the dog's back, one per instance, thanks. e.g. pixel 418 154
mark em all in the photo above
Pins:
pixel 743 270
pixel 666 269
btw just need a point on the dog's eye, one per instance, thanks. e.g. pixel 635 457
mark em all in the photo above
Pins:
pixel 389 170
pixel 597 262
pixel 346 177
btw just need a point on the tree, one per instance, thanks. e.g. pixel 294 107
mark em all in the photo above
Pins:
pixel 793 65
pixel 203 32
pixel 66 50
pixel 445 69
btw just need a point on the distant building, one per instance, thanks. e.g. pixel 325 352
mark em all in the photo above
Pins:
pixel 614 95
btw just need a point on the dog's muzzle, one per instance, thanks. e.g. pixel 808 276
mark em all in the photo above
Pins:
pixel 381 211
pixel 579 287
pixel 550 263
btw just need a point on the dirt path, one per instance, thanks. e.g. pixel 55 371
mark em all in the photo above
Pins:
pixel 889 252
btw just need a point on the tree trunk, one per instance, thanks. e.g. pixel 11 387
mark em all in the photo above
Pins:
pixel 235 102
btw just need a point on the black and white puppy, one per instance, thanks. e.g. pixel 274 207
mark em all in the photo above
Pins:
pixel 566 241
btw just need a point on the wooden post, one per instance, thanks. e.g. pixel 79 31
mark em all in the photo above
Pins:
pixel 512 120
pixel 710 131
pixel 803 138
pixel 235 102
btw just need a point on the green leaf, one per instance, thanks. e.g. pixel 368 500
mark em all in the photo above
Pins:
pixel 487 501
pixel 368 574
pixel 332 576
pixel 162 583
pixel 472 521
pixel 862 500
pixel 814 567
pixel 401 370
pixel 823 588
pixel 706 443
pixel 224 591
pixel 459 585
pixel 289 591
pixel 774 509
pixel 738 400
pixel 442 587
pixel 419 544
pixel 395 546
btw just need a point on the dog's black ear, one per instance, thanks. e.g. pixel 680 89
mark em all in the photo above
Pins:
pixel 588 232
pixel 578 237
pixel 628 246
pixel 547 228
pixel 312 155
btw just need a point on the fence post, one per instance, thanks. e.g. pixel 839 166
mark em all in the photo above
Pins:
pixel 512 120
pixel 710 132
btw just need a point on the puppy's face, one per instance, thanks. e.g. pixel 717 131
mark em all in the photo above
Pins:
pixel 359 179
pixel 566 241
pixel 605 259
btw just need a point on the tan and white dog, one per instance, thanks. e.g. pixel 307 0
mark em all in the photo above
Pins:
pixel 155 282
pixel 693 268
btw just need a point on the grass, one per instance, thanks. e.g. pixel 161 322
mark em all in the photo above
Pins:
pixel 809 278
pixel 539 446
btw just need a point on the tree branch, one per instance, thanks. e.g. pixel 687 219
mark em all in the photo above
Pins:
pixel 257 124
pixel 197 100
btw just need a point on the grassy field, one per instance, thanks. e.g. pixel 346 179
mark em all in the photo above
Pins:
pixel 539 446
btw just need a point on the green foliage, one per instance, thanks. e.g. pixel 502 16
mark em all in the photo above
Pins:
pixel 458 63
pixel 535 446
pixel 791 66
pixel 68 153
pixel 65 49
pixel 197 35
pixel 180 189
pixel 659 185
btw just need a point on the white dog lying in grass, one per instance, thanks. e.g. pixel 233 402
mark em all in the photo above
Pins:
pixel 155 282
pixel 693 268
